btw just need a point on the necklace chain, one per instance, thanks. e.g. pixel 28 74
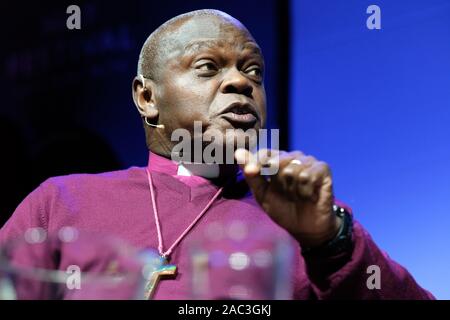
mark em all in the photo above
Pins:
pixel 167 253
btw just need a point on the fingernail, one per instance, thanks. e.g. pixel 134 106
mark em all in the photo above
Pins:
pixel 239 155
pixel 251 168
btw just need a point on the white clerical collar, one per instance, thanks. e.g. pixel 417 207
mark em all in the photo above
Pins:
pixel 199 169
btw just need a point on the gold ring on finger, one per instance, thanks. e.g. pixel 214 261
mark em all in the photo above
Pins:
pixel 295 161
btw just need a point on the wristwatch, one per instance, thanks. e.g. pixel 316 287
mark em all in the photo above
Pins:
pixel 342 242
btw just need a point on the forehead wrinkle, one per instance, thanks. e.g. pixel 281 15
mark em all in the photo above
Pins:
pixel 253 47
pixel 198 45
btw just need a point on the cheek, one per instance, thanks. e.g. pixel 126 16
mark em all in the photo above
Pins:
pixel 260 99
pixel 186 100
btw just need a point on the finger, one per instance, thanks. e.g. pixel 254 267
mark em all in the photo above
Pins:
pixel 262 158
pixel 264 155
pixel 247 161
pixel 257 183
pixel 289 170
pixel 309 180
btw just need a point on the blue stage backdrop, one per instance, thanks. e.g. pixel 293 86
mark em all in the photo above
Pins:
pixel 375 105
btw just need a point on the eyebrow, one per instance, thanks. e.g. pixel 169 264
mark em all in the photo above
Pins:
pixel 198 45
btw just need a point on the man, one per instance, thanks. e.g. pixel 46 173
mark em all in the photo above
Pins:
pixel 204 66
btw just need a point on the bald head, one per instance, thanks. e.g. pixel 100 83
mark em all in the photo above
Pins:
pixel 165 40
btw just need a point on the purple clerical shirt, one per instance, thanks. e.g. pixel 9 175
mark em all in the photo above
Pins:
pixel 119 203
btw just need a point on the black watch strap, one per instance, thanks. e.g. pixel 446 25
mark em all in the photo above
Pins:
pixel 342 242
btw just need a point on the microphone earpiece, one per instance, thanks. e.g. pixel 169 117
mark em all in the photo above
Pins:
pixel 159 126
pixel 142 80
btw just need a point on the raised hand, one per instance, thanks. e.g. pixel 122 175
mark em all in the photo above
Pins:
pixel 299 197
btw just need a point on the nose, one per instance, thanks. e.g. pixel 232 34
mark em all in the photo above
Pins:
pixel 236 82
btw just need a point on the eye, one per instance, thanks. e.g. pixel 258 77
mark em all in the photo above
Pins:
pixel 254 71
pixel 206 67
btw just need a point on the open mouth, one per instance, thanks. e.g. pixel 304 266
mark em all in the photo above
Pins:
pixel 240 115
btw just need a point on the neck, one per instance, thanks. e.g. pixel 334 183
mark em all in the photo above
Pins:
pixel 205 170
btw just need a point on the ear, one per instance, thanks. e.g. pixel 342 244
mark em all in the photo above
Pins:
pixel 143 91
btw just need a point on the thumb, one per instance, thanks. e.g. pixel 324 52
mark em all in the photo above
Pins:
pixel 252 172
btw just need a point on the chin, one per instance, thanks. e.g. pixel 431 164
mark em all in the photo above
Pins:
pixel 219 145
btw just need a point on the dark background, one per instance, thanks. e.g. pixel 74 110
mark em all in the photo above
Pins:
pixel 66 102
